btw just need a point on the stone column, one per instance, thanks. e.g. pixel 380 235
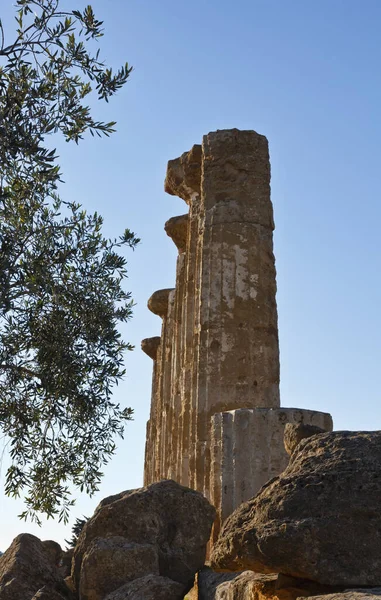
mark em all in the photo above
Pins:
pixel 183 180
pixel 158 304
pixel 177 229
pixel 247 451
pixel 238 362
pixel 151 346
pixel 216 424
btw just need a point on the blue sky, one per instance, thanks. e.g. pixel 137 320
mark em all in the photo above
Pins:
pixel 308 76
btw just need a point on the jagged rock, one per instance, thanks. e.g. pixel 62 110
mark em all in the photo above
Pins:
pixel 173 518
pixel 110 562
pixel 254 586
pixel 26 567
pixel 293 434
pixel 151 587
pixel 319 519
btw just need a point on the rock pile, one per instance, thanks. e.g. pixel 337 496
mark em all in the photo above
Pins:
pixel 312 532
pixel 159 531
pixel 144 544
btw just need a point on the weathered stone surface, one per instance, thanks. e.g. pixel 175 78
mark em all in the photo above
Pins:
pixel 47 593
pixel 110 562
pixel 224 339
pixel 319 519
pixel 184 175
pixel 64 568
pixel 175 519
pixel 293 434
pixel 355 594
pixel 26 567
pixel 219 349
pixel 53 550
pixel 150 346
pixel 151 587
pixel 254 586
pixel 70 584
pixel 177 229
pixel 158 302
pixel 248 450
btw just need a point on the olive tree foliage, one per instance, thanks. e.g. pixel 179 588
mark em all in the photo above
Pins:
pixel 61 293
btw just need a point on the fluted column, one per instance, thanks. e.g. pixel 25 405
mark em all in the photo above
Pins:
pixel 151 346
pixel 247 450
pixel 183 179
pixel 215 423
pixel 158 304
pixel 177 229
pixel 238 363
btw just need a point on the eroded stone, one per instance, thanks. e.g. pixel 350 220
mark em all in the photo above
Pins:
pixel 318 520
pixel 151 587
pixel 177 229
pixel 295 433
pixel 110 562
pixel 158 302
pixel 183 177
pixel 26 567
pixel 47 593
pixel 255 586
pixel 150 346
pixel 219 350
pixel 173 519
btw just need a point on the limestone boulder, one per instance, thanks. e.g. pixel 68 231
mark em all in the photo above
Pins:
pixel 360 594
pixel 65 563
pixel 27 566
pixel 47 593
pixel 318 520
pixel 70 584
pixel 254 586
pixel 54 551
pixel 151 587
pixel 295 433
pixel 167 516
pixel 110 562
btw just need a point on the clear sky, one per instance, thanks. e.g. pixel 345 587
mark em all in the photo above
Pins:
pixel 307 74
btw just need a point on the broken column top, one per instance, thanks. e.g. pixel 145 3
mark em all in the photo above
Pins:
pixel 231 173
pixel 158 302
pixel 177 229
pixel 150 346
pixel 183 177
